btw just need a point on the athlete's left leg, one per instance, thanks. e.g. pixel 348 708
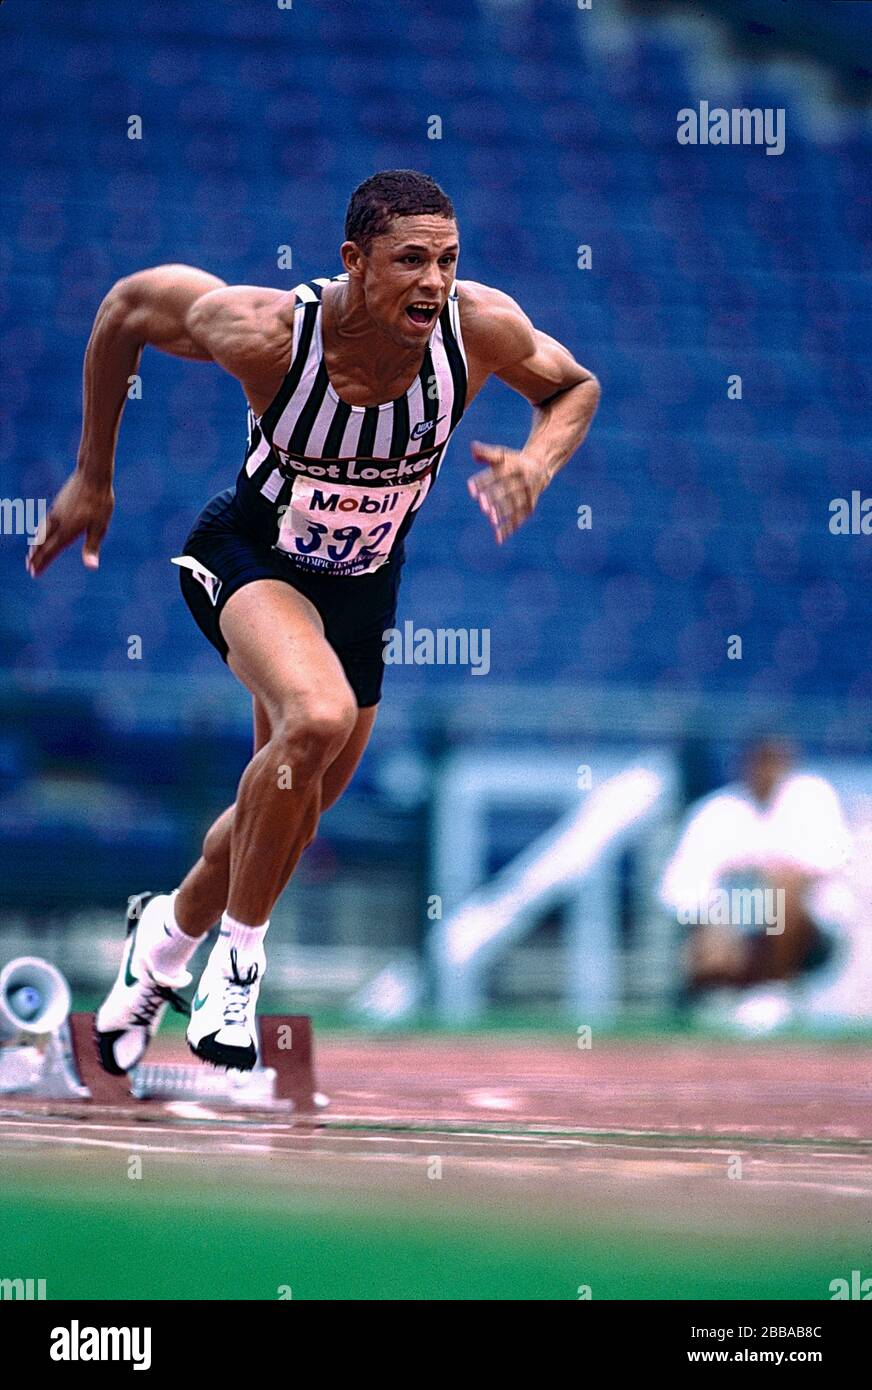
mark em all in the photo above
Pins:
pixel 202 896
pixel 163 934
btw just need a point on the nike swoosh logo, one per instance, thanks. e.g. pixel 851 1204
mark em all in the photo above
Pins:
pixel 198 1002
pixel 425 426
pixel 129 977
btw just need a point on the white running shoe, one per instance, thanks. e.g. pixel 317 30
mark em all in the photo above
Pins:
pixel 223 1029
pixel 131 1013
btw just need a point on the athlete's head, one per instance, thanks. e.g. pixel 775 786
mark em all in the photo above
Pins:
pixel 400 250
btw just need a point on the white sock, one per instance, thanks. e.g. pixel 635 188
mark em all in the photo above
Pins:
pixel 236 936
pixel 172 947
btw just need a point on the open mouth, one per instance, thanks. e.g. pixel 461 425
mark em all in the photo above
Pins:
pixel 422 312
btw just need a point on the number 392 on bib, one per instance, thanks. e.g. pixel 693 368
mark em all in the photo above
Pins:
pixel 343 529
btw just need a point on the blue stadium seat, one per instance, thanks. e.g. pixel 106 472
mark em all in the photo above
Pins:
pixel 710 514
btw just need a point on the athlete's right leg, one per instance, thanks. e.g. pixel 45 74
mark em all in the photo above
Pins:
pixel 277 648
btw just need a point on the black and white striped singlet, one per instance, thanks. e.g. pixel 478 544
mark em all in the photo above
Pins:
pixel 334 486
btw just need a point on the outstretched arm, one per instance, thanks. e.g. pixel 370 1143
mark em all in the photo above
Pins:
pixel 149 307
pixel 239 328
pixel 564 396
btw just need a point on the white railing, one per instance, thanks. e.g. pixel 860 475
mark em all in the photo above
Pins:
pixel 575 863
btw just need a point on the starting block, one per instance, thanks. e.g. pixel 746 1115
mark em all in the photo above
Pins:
pixel 68 1068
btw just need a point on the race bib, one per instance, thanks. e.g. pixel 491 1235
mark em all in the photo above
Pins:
pixel 340 528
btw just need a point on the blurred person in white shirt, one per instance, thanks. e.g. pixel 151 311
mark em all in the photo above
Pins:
pixel 758 879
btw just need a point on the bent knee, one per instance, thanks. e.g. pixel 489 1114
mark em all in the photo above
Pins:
pixel 314 733
pixel 330 722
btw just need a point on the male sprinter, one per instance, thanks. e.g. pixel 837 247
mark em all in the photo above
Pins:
pixel 354 384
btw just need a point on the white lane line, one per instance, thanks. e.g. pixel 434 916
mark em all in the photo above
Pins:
pixel 481 1163
pixel 359 1130
pixel 473 1141
pixel 104 1144
pixel 287 1140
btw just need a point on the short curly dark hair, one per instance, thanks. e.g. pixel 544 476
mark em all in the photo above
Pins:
pixel 392 193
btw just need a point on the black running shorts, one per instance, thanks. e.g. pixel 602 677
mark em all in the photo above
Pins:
pixel 356 610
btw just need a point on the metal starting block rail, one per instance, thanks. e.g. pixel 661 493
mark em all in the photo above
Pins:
pixel 68 1068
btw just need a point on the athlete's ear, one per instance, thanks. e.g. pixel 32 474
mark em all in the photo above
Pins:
pixel 353 258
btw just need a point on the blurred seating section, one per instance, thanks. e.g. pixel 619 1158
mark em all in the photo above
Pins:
pixel 710 515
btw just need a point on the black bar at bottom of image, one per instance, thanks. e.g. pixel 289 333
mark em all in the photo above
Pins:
pixel 62 1339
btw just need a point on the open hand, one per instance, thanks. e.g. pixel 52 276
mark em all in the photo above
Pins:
pixel 509 488
pixel 79 508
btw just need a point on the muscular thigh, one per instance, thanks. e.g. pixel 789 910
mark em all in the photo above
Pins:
pixel 277 648
pixel 298 655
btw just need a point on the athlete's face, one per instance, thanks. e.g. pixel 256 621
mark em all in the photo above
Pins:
pixel 407 276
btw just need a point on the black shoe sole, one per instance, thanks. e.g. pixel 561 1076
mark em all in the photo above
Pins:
pixel 105 1044
pixel 219 1055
